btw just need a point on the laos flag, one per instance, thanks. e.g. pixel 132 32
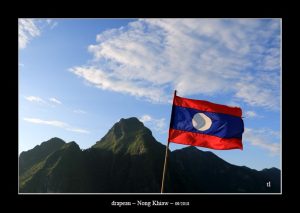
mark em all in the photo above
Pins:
pixel 205 124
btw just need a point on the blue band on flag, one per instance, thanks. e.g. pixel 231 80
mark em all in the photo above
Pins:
pixel 223 125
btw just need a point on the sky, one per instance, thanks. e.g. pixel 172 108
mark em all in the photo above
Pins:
pixel 78 77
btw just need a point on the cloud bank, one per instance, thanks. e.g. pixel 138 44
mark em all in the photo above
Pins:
pixel 149 58
pixel 55 123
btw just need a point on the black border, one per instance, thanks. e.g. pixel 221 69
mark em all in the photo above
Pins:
pixel 90 202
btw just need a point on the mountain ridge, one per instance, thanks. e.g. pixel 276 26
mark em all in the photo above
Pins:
pixel 129 159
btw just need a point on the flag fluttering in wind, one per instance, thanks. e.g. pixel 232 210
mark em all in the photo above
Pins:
pixel 205 124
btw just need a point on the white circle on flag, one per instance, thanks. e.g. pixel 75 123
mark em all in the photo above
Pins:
pixel 201 122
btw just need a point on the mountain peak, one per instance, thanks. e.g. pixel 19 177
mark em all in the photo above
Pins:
pixel 28 158
pixel 193 152
pixel 130 124
pixel 71 144
pixel 55 139
pixel 128 136
pixel 53 143
pixel 131 119
pixel 193 149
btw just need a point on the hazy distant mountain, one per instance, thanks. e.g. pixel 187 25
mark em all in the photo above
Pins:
pixel 129 159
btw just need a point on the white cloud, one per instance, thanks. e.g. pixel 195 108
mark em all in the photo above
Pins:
pixel 157 124
pixel 27 31
pixel 51 123
pixel 145 118
pixel 55 123
pixel 78 130
pixel 256 95
pixel 266 132
pixel 264 138
pixel 270 61
pixel 52 24
pixel 35 99
pixel 79 111
pixel 250 114
pixel 32 28
pixel 41 100
pixel 54 100
pixel 108 82
pixel 149 57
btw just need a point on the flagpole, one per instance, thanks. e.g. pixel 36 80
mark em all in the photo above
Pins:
pixel 166 155
pixel 164 172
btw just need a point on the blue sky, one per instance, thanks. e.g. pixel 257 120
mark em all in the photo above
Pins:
pixel 77 77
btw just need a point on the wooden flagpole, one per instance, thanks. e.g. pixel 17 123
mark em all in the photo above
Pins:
pixel 166 155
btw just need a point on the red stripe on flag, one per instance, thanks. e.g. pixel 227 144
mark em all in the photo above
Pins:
pixel 207 106
pixel 208 141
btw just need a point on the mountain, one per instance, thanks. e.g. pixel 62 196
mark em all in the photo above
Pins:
pixel 126 159
pixel 62 170
pixel 129 159
pixel 205 172
pixel 29 158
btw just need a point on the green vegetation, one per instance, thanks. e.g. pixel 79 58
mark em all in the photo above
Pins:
pixel 129 159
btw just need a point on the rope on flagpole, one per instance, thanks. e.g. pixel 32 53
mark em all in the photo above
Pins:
pixel 166 154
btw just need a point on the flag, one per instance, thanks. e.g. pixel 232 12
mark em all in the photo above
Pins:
pixel 205 124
